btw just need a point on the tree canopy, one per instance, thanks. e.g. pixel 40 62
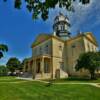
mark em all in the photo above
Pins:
pixel 13 64
pixel 22 64
pixel 3 48
pixel 3 70
pixel 42 7
pixel 89 61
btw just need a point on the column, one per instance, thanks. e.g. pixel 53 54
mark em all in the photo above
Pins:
pixel 29 66
pixel 34 68
pixel 51 68
pixel 24 68
pixel 42 67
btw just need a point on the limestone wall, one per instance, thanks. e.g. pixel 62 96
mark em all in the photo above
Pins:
pixel 74 49
pixel 42 49
pixel 89 46
pixel 58 52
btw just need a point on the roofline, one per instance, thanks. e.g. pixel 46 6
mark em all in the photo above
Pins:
pixel 82 35
pixel 32 46
pixel 71 39
pixel 93 37
pixel 52 36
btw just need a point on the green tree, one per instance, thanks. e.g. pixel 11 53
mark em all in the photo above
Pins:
pixel 42 7
pixel 22 63
pixel 13 64
pixel 3 48
pixel 99 53
pixel 98 58
pixel 3 70
pixel 89 61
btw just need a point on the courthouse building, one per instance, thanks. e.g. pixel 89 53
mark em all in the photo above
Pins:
pixel 55 55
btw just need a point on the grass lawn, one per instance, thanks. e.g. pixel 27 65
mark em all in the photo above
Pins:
pixel 75 80
pixel 31 90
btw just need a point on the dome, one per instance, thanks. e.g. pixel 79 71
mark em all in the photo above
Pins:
pixel 61 18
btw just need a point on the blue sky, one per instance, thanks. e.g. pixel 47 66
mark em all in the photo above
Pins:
pixel 18 30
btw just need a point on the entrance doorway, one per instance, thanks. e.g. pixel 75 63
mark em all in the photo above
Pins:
pixel 57 74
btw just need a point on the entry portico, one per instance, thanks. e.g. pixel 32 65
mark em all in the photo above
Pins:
pixel 40 67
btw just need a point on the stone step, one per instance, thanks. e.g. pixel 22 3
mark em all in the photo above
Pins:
pixel 38 76
pixel 27 75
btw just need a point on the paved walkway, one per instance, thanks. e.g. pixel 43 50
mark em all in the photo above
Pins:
pixel 93 84
pixel 15 82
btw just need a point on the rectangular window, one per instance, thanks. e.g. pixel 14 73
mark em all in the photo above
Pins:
pixel 40 50
pixel 62 65
pixel 35 52
pixel 88 47
pixel 62 27
pixel 92 48
pixel 73 49
pixel 46 49
pixel 60 47
pixel 46 67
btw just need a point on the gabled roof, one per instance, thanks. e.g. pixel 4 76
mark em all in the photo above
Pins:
pixel 88 35
pixel 41 38
pixel 91 37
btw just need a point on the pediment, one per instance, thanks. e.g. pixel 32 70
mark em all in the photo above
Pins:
pixel 41 38
pixel 91 37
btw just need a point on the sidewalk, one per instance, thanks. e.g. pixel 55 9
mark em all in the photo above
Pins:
pixel 93 84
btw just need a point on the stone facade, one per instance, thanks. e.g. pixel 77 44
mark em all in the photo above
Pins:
pixel 55 57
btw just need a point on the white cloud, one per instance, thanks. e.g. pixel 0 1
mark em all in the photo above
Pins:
pixel 85 16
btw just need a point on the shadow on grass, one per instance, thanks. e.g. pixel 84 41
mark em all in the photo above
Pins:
pixel 73 79
pixel 77 79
